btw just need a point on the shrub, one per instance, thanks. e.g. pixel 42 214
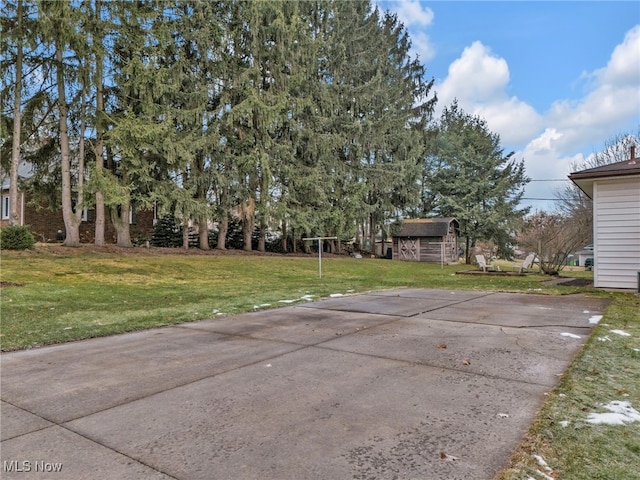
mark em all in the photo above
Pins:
pixel 14 237
pixel 167 233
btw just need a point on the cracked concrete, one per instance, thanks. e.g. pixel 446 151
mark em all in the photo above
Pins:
pixel 407 383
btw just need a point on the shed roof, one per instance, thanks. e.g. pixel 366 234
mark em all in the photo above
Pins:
pixel 426 227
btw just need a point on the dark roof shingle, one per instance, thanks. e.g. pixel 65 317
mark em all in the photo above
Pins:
pixel 425 227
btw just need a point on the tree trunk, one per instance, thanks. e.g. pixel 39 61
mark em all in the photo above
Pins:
pixel 72 230
pixel 120 214
pixel 185 233
pixel 306 248
pixel 14 215
pixel 120 221
pixel 285 246
pixel 467 251
pixel 223 228
pixel 372 235
pixel 99 240
pixel 80 183
pixel 203 233
pixel 294 246
pixel 248 209
pixel 262 237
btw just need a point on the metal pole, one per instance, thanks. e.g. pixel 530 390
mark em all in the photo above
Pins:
pixel 319 239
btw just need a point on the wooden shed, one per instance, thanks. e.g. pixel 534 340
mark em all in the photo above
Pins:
pixel 427 240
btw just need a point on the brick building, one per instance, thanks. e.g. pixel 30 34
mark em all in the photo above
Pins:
pixel 48 226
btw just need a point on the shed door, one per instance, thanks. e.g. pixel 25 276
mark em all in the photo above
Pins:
pixel 409 249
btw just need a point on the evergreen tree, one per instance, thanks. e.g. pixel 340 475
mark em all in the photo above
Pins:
pixel 469 177
pixel 59 30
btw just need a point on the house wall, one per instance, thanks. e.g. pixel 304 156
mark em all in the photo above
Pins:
pixel 616 227
pixel 47 226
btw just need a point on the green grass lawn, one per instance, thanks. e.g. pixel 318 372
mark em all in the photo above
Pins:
pixel 71 294
pixel 52 295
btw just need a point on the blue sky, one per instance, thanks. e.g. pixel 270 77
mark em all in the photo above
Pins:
pixel 556 80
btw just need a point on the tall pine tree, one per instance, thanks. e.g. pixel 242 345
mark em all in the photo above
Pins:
pixel 468 176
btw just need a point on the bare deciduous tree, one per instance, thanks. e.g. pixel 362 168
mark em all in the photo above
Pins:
pixel 573 202
pixel 553 237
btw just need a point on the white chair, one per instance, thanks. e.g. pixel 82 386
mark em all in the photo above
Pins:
pixel 526 264
pixel 484 266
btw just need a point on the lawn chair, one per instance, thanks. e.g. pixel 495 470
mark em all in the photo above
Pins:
pixel 484 266
pixel 526 265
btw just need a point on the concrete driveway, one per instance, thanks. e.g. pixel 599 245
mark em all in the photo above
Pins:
pixel 406 384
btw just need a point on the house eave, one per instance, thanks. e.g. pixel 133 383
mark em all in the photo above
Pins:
pixel 584 181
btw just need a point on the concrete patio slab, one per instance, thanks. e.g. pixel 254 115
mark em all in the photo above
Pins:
pixel 321 414
pixel 519 313
pixel 72 380
pixel 431 293
pixel 509 353
pixel 57 453
pixel 357 387
pixel 381 305
pixel 298 325
pixel 16 421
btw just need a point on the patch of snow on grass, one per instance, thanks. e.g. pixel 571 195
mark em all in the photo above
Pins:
pixel 307 297
pixel 595 319
pixel 565 423
pixel 604 339
pixel 621 333
pixel 620 413
pixel 334 295
pixel 287 301
pixel 570 335
pixel 542 463
pixel 544 475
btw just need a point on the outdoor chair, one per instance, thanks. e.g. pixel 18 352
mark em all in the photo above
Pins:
pixel 484 266
pixel 526 264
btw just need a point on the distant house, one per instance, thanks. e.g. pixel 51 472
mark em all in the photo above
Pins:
pixel 615 191
pixel 48 226
pixel 583 255
pixel 427 240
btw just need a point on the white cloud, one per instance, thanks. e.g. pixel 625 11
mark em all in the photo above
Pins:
pixel 411 12
pixel 416 17
pixel 623 68
pixel 514 120
pixel 422 47
pixel 478 80
pixel 605 110
pixel 477 76
pixel 550 142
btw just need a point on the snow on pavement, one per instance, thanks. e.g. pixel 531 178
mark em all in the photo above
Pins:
pixel 570 335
